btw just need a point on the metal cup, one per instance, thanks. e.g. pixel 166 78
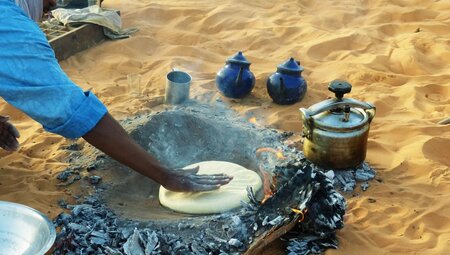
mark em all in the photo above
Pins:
pixel 177 87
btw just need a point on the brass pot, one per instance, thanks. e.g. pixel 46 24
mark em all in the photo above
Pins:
pixel 336 130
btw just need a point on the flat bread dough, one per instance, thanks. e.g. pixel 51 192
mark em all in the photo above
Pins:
pixel 225 198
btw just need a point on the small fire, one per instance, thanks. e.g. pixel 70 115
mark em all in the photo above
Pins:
pixel 280 155
pixel 301 213
pixel 252 120
pixel 268 158
pixel 267 186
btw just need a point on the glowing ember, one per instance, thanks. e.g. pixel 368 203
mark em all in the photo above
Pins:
pixel 252 120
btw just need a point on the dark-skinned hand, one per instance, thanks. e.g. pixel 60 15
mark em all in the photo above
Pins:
pixel 8 135
pixel 187 180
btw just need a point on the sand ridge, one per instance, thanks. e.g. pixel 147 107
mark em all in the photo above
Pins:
pixel 394 52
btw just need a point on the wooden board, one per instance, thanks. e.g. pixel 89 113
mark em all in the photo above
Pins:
pixel 67 41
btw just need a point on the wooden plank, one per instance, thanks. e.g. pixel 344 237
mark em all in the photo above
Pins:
pixel 75 40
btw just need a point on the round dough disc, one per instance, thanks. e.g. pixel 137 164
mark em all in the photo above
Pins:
pixel 225 198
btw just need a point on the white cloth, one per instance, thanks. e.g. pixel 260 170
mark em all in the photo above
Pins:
pixel 33 8
pixel 108 19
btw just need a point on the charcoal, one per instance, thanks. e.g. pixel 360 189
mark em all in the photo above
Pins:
pixel 82 242
pixel 310 244
pixel 265 221
pixel 91 200
pixel 133 245
pixel 78 228
pixel 152 243
pixel 197 248
pixel 98 240
pixel 236 220
pixel 71 181
pixel 64 175
pixel 62 203
pixel 92 228
pixel 91 167
pixel 111 251
pixel 330 174
pixel 79 208
pixel 126 232
pixel 235 243
pixel 73 147
pixel 346 180
pixel 364 186
pixel 361 175
pixel 63 219
pixel 276 221
pixel 100 234
pixel 95 179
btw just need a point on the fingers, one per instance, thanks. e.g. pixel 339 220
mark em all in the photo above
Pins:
pixel 204 187
pixel 4 118
pixel 212 181
pixel 191 170
pixel 8 135
pixel 9 143
pixel 208 182
pixel 13 130
pixel 189 181
pixel 212 176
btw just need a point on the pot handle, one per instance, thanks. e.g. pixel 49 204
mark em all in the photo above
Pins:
pixel 371 112
pixel 238 80
pixel 307 114
pixel 334 103
pixel 282 87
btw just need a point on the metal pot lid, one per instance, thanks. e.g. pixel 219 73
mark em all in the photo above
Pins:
pixel 290 67
pixel 336 120
pixel 238 58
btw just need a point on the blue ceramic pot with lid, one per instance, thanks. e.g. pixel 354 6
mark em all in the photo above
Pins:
pixel 286 85
pixel 235 80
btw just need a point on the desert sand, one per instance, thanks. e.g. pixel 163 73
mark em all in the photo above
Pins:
pixel 396 53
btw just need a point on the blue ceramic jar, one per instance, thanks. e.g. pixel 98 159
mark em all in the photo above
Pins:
pixel 235 80
pixel 286 85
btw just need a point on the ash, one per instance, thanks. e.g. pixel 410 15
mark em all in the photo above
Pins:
pixel 347 179
pixel 306 203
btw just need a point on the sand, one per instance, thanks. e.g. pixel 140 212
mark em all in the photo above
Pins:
pixel 395 53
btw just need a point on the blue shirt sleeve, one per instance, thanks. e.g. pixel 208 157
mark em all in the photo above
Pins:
pixel 32 80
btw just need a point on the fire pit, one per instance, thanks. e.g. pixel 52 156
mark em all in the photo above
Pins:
pixel 124 215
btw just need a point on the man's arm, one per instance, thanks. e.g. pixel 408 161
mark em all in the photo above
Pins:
pixel 111 138
pixel 32 80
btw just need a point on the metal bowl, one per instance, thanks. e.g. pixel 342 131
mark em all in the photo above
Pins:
pixel 24 230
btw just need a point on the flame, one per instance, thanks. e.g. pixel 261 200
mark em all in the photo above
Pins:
pixel 262 150
pixel 267 187
pixel 280 155
pixel 252 120
pixel 268 157
pixel 301 212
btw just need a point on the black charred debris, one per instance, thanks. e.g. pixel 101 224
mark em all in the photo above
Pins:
pixel 306 203
pixel 92 228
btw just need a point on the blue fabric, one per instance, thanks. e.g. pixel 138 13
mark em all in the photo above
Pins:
pixel 32 80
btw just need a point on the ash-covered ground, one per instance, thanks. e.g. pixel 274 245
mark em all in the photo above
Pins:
pixel 123 216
